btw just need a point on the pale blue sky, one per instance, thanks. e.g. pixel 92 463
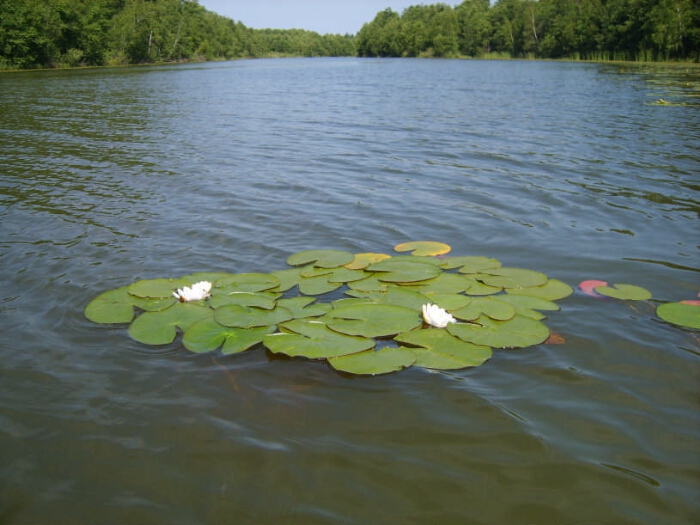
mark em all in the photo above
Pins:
pixel 322 16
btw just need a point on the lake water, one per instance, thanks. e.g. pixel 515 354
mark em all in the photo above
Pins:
pixel 108 176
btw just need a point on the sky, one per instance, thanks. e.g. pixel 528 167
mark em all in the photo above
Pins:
pixel 322 16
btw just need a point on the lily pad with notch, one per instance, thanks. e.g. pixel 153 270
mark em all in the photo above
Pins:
pixel 552 290
pixel 437 349
pixel 312 339
pixel 423 248
pixel 160 328
pixel 372 320
pixel 518 332
pixel 397 270
pixel 238 316
pixel 207 335
pixel 321 258
pixel 374 362
pixel 624 292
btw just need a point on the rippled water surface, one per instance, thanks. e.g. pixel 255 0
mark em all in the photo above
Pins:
pixel 109 176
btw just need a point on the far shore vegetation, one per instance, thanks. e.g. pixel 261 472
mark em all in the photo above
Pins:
pixel 79 33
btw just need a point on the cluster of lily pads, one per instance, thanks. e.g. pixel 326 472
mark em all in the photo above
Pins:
pixel 423 309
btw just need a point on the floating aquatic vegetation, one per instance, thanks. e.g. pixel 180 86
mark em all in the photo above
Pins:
pixel 684 313
pixel 425 309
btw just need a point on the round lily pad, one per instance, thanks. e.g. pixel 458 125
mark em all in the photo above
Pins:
pixel 527 305
pixel 372 320
pixel 208 335
pixel 398 295
pixel 303 307
pixel 397 270
pixel 439 350
pixel 624 292
pixel 321 258
pixel 266 302
pixel 288 278
pixel 317 285
pixel 160 328
pixel 237 316
pixel 445 283
pixel 423 248
pixel 512 278
pixel 245 282
pixel 371 362
pixel 313 339
pixel 552 290
pixel 517 332
pixel 471 263
pixel 112 306
pixel 682 314
pixel 490 306
pixel 156 288
pixel 479 288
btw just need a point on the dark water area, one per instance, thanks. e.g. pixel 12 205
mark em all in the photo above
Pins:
pixel 108 176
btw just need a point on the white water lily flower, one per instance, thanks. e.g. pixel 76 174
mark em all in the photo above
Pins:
pixel 436 316
pixel 197 292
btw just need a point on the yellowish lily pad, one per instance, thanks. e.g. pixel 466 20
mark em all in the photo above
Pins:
pixel 423 248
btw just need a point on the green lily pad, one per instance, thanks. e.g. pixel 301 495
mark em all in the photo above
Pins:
pixel 552 290
pixel 397 270
pixel 471 263
pixel 266 302
pixel 345 275
pixel 245 282
pixel 449 301
pixel 288 278
pixel 490 306
pixel 111 307
pixel 321 258
pixel 439 350
pixel 479 288
pixel 369 284
pixel 527 305
pixel 512 278
pixel 398 295
pixel 517 332
pixel 317 285
pixel 313 339
pixel 303 307
pixel 680 314
pixel 211 277
pixel 624 292
pixel 156 288
pixel 160 328
pixel 208 335
pixel 445 283
pixel 237 316
pixel 371 362
pixel 372 320
pixel 420 248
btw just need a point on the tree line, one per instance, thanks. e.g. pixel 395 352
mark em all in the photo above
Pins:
pixel 69 33
pixel 572 29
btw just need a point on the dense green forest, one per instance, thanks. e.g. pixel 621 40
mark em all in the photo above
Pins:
pixel 61 33
pixel 574 29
